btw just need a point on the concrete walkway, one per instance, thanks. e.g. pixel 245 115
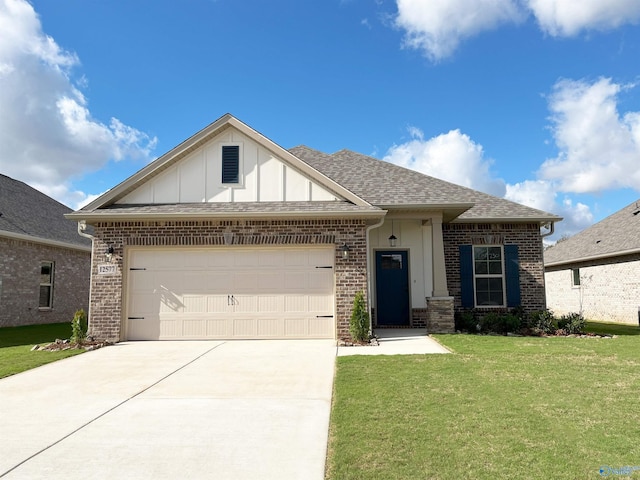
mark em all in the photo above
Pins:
pixel 169 410
pixel 398 341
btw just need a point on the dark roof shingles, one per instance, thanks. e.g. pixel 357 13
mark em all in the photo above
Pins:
pixel 385 184
pixel 617 233
pixel 24 210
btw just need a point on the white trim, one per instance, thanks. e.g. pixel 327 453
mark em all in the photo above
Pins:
pixel 44 241
pixel 502 276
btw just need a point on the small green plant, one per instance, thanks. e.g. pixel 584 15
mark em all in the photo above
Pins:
pixel 542 322
pixel 79 327
pixel 465 321
pixel 572 323
pixel 359 325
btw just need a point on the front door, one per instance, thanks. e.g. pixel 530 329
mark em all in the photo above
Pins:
pixel 392 288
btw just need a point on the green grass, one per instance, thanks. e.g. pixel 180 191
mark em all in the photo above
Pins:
pixel 612 328
pixel 16 343
pixel 499 407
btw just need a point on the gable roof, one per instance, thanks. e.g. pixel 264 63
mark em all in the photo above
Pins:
pixel 390 186
pixel 199 139
pixel 618 234
pixel 27 214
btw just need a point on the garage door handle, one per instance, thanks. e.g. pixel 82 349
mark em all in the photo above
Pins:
pixel 324 316
pixel 135 318
pixel 328 266
pixel 133 268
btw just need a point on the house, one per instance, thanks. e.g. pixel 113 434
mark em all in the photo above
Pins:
pixel 229 235
pixel 597 271
pixel 44 263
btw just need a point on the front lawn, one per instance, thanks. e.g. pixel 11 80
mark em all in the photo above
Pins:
pixel 500 407
pixel 16 343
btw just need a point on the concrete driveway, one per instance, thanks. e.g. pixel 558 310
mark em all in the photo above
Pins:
pixel 169 410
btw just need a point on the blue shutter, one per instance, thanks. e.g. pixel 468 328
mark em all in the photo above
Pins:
pixel 230 162
pixel 466 276
pixel 512 275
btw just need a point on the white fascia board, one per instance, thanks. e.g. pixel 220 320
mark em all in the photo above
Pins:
pixel 540 220
pixel 593 257
pixel 44 241
pixel 123 217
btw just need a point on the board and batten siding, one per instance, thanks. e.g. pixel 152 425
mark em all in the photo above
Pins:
pixel 197 178
pixel 415 237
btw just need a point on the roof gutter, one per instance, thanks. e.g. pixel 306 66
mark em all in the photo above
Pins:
pixel 593 257
pixel 552 228
pixel 44 241
pixel 100 217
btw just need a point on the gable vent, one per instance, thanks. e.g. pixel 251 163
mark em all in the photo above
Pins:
pixel 230 163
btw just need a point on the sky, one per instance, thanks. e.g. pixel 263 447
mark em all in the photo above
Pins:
pixel 536 101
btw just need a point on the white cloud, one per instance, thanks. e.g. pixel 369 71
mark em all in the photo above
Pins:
pixel 456 158
pixel 568 18
pixel 599 147
pixel 451 156
pixel 542 195
pixel 48 136
pixel 439 26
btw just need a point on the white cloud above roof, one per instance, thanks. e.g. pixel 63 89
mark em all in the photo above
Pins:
pixel 451 156
pixel 438 27
pixel 598 146
pixel 47 133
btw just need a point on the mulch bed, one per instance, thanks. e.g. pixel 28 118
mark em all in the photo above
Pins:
pixel 59 345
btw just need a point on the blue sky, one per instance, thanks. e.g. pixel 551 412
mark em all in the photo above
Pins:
pixel 533 100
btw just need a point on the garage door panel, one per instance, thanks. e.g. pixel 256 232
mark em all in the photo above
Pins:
pixel 209 293
pixel 217 304
pixel 242 282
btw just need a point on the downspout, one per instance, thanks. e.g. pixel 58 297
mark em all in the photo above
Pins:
pixel 551 227
pixel 369 228
pixel 82 226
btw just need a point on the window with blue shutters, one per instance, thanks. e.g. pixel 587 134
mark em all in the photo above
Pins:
pixel 231 164
pixel 489 276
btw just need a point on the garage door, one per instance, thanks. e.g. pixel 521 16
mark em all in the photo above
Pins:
pixel 222 292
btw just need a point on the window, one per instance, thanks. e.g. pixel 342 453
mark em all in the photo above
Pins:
pixel 231 164
pixel 46 285
pixel 575 277
pixel 489 276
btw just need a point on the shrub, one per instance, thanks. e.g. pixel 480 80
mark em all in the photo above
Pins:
pixel 572 323
pixel 359 324
pixel 541 322
pixel 465 321
pixel 79 327
pixel 500 323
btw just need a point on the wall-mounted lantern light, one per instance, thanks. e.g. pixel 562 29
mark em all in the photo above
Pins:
pixel 345 251
pixel 228 238
pixel 109 254
pixel 392 239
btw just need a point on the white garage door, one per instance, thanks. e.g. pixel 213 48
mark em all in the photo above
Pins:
pixel 223 292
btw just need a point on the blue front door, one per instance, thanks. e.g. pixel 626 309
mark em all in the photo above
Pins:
pixel 392 288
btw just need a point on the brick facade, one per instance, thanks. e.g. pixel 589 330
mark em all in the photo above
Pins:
pixel 106 314
pixel 609 289
pixel 20 282
pixel 525 235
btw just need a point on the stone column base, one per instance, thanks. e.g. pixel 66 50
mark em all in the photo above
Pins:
pixel 440 315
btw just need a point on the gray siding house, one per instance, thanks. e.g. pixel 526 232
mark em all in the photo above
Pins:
pixel 597 271
pixel 44 263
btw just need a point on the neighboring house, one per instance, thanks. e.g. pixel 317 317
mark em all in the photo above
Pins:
pixel 597 271
pixel 44 263
pixel 229 235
